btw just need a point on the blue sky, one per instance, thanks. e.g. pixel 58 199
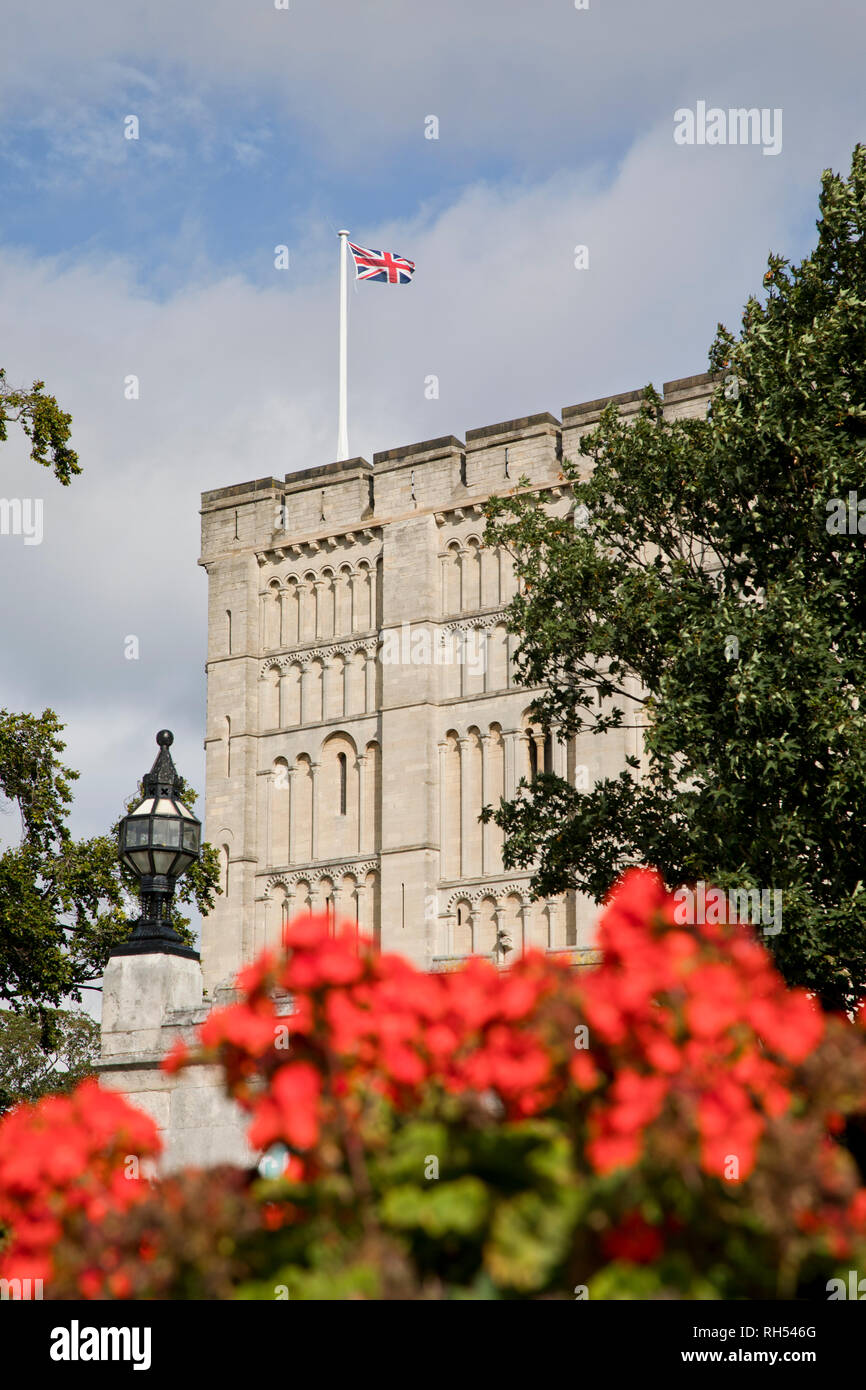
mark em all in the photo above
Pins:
pixel 259 127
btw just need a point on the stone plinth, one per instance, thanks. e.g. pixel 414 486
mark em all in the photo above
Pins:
pixel 149 1002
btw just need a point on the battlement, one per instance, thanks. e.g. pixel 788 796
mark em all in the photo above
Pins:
pixel 433 475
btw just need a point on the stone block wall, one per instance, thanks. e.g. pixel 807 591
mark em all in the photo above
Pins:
pixel 342 762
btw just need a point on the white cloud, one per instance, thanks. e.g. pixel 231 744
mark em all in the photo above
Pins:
pixel 535 83
pixel 238 379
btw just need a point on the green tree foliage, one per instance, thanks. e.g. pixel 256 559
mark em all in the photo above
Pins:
pixel 29 1071
pixel 64 903
pixel 44 423
pixel 712 580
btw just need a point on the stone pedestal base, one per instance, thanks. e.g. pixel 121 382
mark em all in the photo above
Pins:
pixel 149 1001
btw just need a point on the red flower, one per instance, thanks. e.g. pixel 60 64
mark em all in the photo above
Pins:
pixel 245 1028
pixel 634 1240
pixel 607 1152
pixel 296 1089
pixel 90 1283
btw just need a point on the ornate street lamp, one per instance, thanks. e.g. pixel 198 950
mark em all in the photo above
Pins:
pixel 158 841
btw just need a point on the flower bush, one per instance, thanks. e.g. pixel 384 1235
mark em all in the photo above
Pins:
pixel 672 1122
pixel 63 1168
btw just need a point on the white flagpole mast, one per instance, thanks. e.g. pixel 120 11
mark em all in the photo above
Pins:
pixel 342 423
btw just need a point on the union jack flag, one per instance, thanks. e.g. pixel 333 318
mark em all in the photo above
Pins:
pixel 386 266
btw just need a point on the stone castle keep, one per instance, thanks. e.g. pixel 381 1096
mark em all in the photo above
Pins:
pixel 361 709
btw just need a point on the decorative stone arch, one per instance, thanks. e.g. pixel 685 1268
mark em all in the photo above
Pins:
pixel 269 695
pixel 307 608
pixel 225 840
pixel 537 749
pixel 470 575
pixel 485 620
pixel 277 914
pixel 312 876
pixel 343 599
pixel 312 688
pixel 515 911
pixel 302 896
pixel 279 812
pixel 353 884
pixel 348 900
pixel 498 657
pixel 491 587
pixel 486 924
pixel 363 602
pixel 471 752
pixel 324 900
pixel 507 577
pixel 449 805
pixel 325 604
pixel 303 828
pixel 338 686
pixel 291 673
pixel 371 907
pixel 291 610
pixel 370 798
pixel 450 561
pixel 339 792
pixel 271 607
pixel 498 891
pixel 463 926
pixel 493 794
pixel 303 655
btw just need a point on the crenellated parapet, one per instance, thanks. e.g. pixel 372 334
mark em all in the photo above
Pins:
pixel 339 508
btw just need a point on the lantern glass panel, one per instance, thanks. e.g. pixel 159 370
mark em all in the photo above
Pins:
pixel 190 838
pixel 137 832
pixel 166 831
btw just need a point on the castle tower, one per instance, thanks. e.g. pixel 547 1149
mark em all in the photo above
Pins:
pixel 361 706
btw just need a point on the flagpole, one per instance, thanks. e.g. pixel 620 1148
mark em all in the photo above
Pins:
pixel 342 423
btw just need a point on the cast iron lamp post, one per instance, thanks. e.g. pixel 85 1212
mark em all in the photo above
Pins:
pixel 158 841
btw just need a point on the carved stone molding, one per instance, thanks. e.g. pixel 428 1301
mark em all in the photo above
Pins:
pixel 486 620
pixel 303 656
pixel 491 889
pixel 290 880
pixel 343 540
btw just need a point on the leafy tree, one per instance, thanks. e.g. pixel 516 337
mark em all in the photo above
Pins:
pixel 715 587
pixel 64 903
pixel 44 423
pixel 29 1071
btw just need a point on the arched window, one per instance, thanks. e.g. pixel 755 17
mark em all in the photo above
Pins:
pixel 533 759
pixel 229 629
pixel 463 944
pixel 548 753
pixel 225 869
pixel 341 759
